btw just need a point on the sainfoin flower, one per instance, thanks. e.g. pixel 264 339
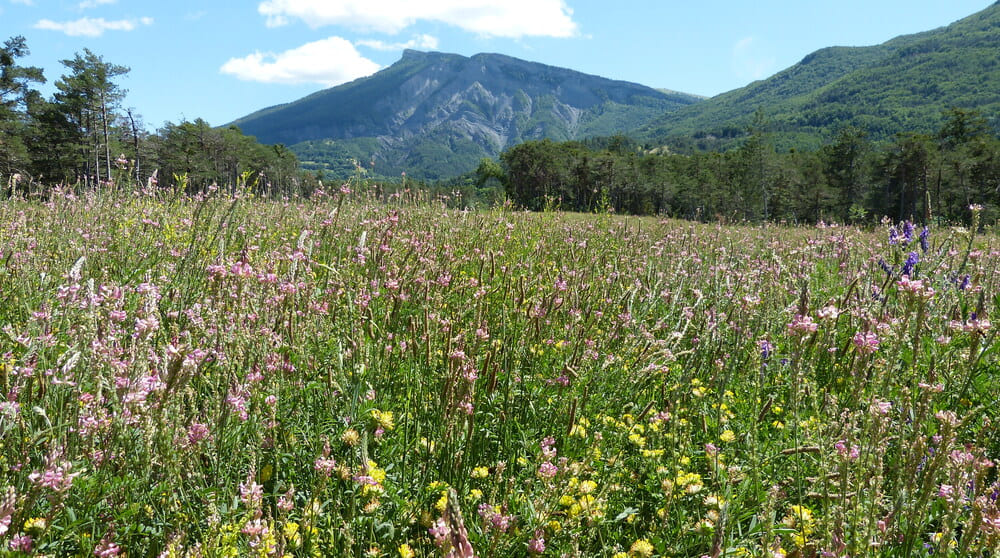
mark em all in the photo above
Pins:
pixel 251 493
pixel 547 470
pixel 802 325
pixel 537 544
pixel 21 543
pixel 866 342
pixel 107 549
pixel 7 509
pixel 56 477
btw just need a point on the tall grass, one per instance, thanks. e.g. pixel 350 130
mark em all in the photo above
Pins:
pixel 226 376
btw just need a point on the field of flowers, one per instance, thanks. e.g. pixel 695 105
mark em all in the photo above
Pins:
pixel 221 376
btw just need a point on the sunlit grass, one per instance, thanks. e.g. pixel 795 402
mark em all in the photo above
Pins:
pixel 225 376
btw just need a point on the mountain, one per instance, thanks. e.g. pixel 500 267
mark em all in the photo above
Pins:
pixel 435 115
pixel 901 85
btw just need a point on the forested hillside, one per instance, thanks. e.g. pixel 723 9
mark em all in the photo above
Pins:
pixel 902 85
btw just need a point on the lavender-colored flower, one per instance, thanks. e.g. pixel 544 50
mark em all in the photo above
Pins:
pixel 966 281
pixel 907 232
pixel 911 261
pixel 766 348
pixel 885 267
pixel 893 236
pixel 286 502
pixel 924 235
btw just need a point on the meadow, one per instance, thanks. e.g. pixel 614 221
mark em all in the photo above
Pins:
pixel 219 376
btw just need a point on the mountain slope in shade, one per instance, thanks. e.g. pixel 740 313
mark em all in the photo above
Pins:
pixel 435 115
pixel 901 85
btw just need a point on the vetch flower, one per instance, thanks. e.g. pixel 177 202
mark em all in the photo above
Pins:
pixel 911 261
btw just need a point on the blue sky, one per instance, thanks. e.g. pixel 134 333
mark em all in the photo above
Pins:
pixel 222 60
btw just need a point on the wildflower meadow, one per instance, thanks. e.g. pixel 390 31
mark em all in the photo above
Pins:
pixel 219 375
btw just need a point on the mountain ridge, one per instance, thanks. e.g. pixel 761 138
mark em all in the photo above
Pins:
pixel 405 115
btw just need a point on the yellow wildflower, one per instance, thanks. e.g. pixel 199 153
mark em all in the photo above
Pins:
pixel 641 547
pixel 480 473
pixel 350 437
pixel 384 419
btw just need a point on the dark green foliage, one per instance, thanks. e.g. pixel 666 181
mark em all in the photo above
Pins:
pixel 850 179
pixel 15 94
pixel 80 137
pixel 88 98
pixel 198 155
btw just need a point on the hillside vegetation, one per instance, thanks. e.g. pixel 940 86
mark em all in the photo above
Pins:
pixel 902 85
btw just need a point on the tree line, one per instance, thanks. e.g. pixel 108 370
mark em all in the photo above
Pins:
pixel 83 136
pixel 849 180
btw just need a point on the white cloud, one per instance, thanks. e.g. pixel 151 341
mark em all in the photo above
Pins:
pixel 25 2
pixel 421 42
pixel 87 4
pixel 751 60
pixel 91 27
pixel 329 62
pixel 510 18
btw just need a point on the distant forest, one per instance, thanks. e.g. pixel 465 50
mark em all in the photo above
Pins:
pixel 920 177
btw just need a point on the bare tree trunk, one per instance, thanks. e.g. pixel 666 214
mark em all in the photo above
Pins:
pixel 107 143
pixel 135 143
pixel 97 150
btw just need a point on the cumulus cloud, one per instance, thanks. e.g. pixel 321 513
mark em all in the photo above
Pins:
pixel 329 62
pixel 750 59
pixel 421 42
pixel 511 18
pixel 92 27
pixel 87 4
